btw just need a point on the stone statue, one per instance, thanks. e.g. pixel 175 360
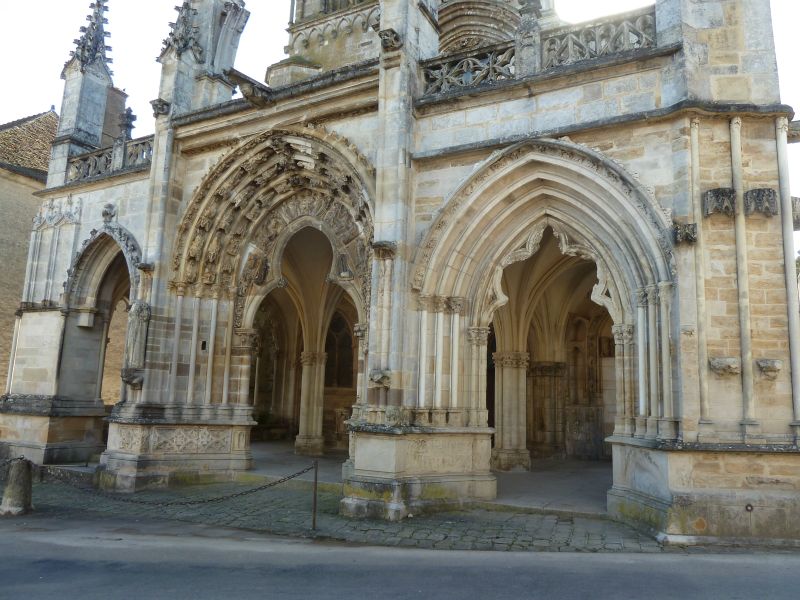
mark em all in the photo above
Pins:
pixel 136 340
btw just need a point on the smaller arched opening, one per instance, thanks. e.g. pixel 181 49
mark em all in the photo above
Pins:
pixel 305 373
pixel 94 347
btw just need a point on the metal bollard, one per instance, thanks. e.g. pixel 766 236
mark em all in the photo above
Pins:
pixel 314 499
pixel 17 495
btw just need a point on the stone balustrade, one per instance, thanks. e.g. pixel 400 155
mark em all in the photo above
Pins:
pixel 484 66
pixel 569 45
pixel 107 161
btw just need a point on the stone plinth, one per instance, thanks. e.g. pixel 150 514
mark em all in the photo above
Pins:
pixel 403 471
pixel 706 495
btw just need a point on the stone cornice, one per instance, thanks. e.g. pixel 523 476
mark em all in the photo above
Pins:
pixel 687 107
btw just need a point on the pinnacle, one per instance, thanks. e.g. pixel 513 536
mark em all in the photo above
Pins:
pixel 91 46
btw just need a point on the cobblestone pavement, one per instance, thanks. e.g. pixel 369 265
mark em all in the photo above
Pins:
pixel 286 510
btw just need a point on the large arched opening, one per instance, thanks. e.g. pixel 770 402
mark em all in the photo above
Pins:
pixel 563 263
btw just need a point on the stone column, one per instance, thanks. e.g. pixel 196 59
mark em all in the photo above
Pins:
pixel 629 368
pixel 478 339
pixel 620 420
pixel 668 425
pixel 424 399
pixel 641 349
pixel 309 439
pixel 212 337
pixel 653 361
pixel 12 355
pixel 102 363
pixel 749 424
pixel 510 402
pixel 361 333
pixel 700 281
pixel 379 372
pixel 793 303
pixel 547 380
pixel 193 351
pixel 176 344
pixel 249 346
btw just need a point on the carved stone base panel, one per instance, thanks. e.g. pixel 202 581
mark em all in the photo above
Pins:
pixel 395 476
pixel 688 496
pixel 140 456
pixel 47 440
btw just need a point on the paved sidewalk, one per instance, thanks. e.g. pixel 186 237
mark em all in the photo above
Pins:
pixel 286 510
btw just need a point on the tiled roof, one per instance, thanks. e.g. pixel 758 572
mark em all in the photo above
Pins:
pixel 26 143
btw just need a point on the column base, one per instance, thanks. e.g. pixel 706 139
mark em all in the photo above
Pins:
pixel 701 496
pixel 511 460
pixel 399 472
pixel 159 455
pixel 652 428
pixel 795 425
pixel 751 432
pixel 667 429
pixel 51 430
pixel 308 445
pixel 640 427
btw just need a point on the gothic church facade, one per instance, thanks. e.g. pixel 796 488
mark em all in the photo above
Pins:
pixel 447 236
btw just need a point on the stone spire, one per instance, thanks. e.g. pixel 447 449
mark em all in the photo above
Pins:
pixel 91 46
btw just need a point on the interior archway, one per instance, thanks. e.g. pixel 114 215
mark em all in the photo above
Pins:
pixel 554 392
pixel 304 379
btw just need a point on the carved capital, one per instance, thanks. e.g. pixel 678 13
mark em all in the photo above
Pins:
pixel 384 250
pixel 736 122
pixel 478 336
pixel 455 305
pixel 641 297
pixel 512 360
pixel 652 295
pixel 763 200
pixel 381 378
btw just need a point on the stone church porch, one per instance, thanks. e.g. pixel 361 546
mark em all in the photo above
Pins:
pixel 552 485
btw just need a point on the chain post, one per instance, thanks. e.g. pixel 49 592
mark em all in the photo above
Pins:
pixel 314 499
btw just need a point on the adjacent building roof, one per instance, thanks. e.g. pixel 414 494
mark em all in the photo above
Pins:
pixel 25 143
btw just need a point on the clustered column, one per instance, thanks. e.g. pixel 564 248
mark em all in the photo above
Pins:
pixel 511 371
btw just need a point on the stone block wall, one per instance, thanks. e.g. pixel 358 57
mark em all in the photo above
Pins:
pixel 19 206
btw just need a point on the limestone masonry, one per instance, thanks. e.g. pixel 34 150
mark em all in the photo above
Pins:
pixel 448 236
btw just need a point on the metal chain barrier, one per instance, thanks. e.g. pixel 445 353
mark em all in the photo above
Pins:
pixel 59 477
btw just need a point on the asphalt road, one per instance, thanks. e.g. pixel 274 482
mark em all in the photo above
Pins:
pixel 51 558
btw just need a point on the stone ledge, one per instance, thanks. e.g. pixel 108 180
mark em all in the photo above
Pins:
pixel 50 406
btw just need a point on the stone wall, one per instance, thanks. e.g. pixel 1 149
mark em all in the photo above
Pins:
pixel 18 206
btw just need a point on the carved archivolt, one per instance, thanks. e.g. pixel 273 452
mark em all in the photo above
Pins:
pixel 229 232
pixel 85 258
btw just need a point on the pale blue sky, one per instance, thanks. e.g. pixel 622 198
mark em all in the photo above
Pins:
pixel 34 55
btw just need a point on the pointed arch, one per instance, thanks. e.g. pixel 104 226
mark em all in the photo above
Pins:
pixel 93 259
pixel 596 210
pixel 270 184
